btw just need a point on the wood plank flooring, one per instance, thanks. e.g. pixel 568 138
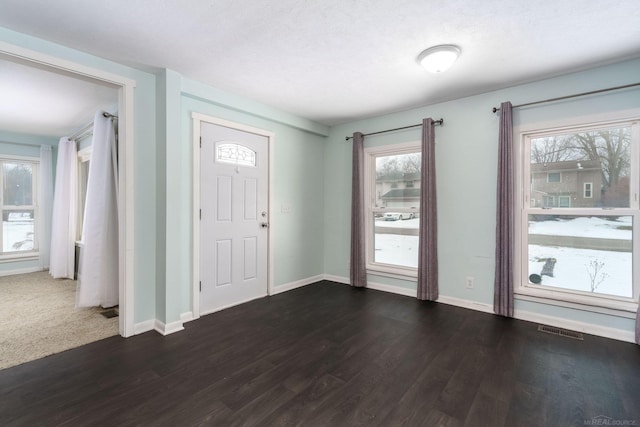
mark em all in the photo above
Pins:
pixel 331 355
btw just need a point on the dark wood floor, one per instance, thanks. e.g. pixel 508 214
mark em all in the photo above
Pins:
pixel 331 355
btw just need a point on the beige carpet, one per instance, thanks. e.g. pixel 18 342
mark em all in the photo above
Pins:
pixel 38 318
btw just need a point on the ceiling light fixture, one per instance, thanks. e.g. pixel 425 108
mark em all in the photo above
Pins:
pixel 438 59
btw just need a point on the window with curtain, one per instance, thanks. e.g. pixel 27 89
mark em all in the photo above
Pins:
pixel 392 203
pixel 18 203
pixel 579 219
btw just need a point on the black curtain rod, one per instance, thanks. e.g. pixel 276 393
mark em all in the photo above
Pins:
pixel 435 122
pixel 593 92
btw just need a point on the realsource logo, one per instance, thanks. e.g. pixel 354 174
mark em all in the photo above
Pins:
pixel 601 420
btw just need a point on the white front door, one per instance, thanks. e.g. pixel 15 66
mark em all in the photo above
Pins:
pixel 234 216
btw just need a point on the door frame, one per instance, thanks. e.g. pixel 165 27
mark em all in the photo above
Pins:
pixel 126 198
pixel 197 120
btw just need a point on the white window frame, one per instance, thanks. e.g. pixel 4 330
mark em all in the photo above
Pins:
pixel 560 198
pixel 554 173
pixel 584 190
pixel 370 155
pixel 84 156
pixel 35 165
pixel 545 199
pixel 601 303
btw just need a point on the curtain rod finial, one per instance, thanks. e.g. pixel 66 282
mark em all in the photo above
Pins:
pixel 495 110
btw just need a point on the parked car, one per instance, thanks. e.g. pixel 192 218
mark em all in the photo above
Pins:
pixel 394 216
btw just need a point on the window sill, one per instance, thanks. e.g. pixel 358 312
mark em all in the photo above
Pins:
pixel 23 256
pixel 394 273
pixel 612 307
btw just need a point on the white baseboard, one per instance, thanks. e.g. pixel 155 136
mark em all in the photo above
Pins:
pixel 573 325
pixel 20 271
pixel 142 327
pixel 392 289
pixel 587 328
pixel 337 279
pixel 161 327
pixel 297 284
pixel 168 328
pixel 374 285
pixel 465 303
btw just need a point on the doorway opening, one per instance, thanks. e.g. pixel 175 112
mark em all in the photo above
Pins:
pixel 125 89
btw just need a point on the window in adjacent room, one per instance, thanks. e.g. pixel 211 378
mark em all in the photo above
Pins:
pixel 392 210
pixel 19 206
pixel 579 245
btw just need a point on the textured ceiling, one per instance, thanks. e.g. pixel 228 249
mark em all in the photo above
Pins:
pixel 334 60
pixel 39 102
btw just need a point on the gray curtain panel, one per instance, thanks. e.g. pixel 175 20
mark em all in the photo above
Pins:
pixel 428 231
pixel 358 271
pixel 503 284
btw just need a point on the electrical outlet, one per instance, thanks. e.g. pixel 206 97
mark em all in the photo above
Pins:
pixel 469 282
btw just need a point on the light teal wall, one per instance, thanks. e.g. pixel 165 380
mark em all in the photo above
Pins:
pixel 172 227
pixel 466 160
pixel 161 198
pixel 144 180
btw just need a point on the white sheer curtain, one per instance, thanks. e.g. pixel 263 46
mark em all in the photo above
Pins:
pixel 98 273
pixel 45 202
pixel 63 218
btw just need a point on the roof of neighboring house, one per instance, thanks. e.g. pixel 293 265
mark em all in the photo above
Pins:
pixel 570 165
pixel 413 176
pixel 402 193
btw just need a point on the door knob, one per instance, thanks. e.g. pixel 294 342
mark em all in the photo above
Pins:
pixel 264 225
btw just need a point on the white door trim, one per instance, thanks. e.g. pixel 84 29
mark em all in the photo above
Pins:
pixel 197 119
pixel 125 172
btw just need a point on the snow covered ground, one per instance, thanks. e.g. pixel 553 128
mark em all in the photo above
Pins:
pixel 573 266
pixel 17 233
pixel 397 250
pixel 595 226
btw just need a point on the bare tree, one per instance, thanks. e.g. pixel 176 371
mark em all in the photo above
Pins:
pixel 398 165
pixel 596 273
pixel 551 149
pixel 611 147
pixel 412 163
pixel 388 167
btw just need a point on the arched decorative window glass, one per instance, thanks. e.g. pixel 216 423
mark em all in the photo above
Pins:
pixel 236 154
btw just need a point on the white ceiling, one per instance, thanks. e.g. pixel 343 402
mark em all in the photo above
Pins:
pixel 337 60
pixel 40 102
